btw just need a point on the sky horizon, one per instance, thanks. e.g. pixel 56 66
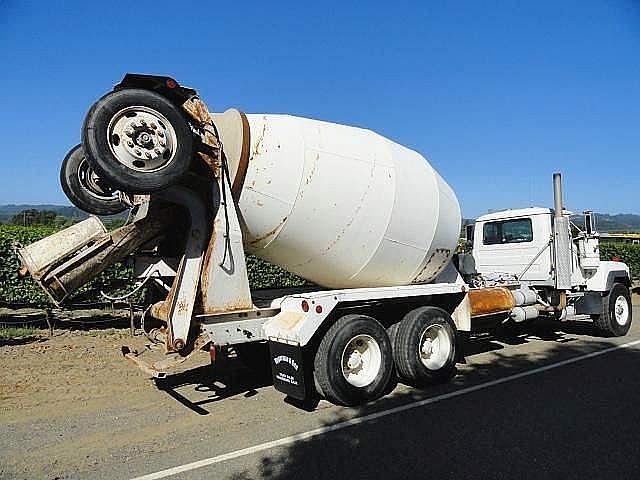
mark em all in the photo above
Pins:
pixel 496 97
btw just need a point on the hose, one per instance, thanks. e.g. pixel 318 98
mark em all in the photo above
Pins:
pixel 132 292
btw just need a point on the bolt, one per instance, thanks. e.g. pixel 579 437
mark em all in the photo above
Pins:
pixel 130 143
pixel 162 142
pixel 128 132
pixel 148 154
pixel 158 151
pixel 160 133
pixel 143 121
pixel 137 151
pixel 178 344
pixel 153 125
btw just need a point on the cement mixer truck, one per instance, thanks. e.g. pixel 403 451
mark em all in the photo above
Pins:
pixel 369 222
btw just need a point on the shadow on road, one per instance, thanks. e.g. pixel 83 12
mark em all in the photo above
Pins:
pixel 577 421
pixel 214 383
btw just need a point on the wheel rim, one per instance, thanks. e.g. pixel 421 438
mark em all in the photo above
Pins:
pixel 361 360
pixel 434 348
pixel 621 310
pixel 93 184
pixel 142 139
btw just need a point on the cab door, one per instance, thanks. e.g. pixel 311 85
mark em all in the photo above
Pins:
pixel 508 245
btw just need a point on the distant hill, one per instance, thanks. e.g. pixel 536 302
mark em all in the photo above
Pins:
pixel 620 223
pixel 8 211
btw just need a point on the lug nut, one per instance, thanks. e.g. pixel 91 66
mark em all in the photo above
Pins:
pixel 157 151
pixel 130 143
pixel 137 151
pixel 128 132
pixel 153 125
pixel 148 154
pixel 160 133
pixel 143 121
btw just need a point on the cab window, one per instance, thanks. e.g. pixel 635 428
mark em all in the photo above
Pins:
pixel 507 231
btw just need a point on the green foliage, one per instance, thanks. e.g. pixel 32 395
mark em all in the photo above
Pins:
pixel 625 252
pixel 13 288
pixel 266 275
pixel 115 280
pixel 17 332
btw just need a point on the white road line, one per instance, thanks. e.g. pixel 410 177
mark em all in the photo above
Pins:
pixel 367 418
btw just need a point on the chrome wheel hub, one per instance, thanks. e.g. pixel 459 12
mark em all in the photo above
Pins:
pixel 142 139
pixel 93 183
pixel 361 360
pixel 435 347
pixel 621 310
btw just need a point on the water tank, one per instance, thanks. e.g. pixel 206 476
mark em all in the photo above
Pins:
pixel 343 206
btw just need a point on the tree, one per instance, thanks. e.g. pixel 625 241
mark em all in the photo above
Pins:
pixel 32 216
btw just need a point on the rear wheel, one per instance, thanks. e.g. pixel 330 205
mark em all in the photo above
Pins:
pixel 616 316
pixel 354 363
pixel 85 188
pixel 425 346
pixel 137 140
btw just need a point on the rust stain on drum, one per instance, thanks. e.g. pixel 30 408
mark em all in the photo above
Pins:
pixel 257 150
pixel 268 234
pixel 488 301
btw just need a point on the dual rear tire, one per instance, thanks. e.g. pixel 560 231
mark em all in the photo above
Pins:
pixel 424 348
pixel 358 361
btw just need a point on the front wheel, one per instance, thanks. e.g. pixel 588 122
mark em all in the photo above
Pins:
pixel 137 140
pixel 616 316
pixel 354 364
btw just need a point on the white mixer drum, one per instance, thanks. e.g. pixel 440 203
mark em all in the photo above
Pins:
pixel 343 206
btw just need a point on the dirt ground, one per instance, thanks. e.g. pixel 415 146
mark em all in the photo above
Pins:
pixel 71 405
pixel 53 391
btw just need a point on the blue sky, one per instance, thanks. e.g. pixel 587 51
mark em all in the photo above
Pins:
pixel 497 95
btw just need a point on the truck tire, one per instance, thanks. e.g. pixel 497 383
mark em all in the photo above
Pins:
pixel 255 356
pixel 354 363
pixel 425 347
pixel 616 316
pixel 84 187
pixel 138 140
pixel 392 333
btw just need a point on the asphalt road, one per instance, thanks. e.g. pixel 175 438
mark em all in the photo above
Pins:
pixel 542 403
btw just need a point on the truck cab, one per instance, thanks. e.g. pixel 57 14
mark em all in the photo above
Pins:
pixel 543 250
pixel 518 245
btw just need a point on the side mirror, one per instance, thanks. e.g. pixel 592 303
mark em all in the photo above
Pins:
pixel 588 222
pixel 468 234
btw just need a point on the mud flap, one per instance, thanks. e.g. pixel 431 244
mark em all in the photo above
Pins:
pixel 289 373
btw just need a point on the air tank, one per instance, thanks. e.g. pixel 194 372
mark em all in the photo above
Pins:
pixel 343 206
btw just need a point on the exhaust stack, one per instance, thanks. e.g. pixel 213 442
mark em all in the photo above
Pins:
pixel 557 194
pixel 561 239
